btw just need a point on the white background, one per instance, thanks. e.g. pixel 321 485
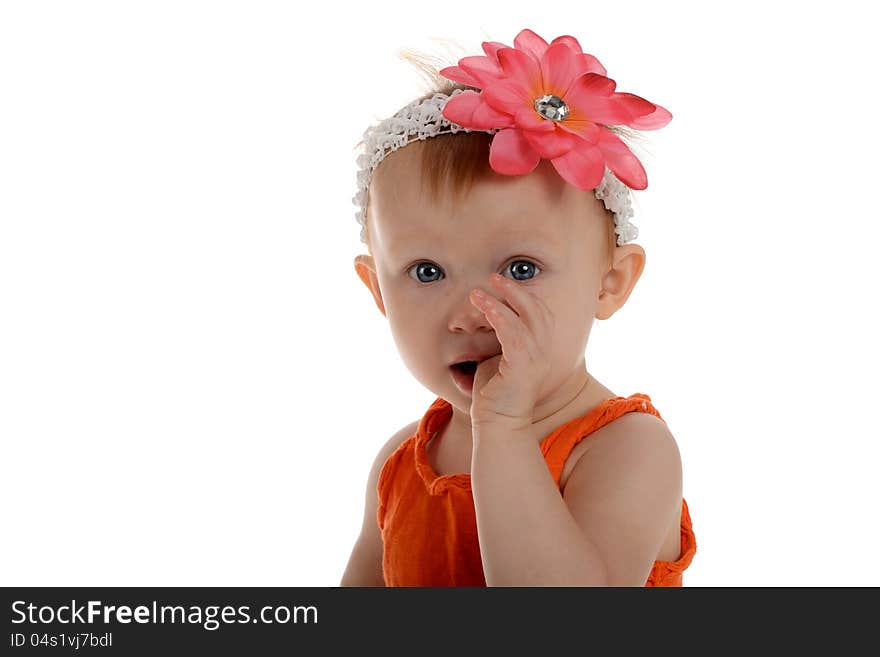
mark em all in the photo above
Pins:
pixel 194 382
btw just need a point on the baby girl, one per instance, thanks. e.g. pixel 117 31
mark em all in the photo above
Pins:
pixel 495 210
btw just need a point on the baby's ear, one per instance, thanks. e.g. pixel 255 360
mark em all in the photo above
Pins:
pixel 618 282
pixel 366 271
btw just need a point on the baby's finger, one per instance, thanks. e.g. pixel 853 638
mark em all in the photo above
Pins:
pixel 526 305
pixel 508 327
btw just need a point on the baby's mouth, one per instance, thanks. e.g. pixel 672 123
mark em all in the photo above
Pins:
pixel 463 374
pixel 466 367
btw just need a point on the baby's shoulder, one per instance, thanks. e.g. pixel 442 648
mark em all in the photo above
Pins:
pixel 630 431
pixel 394 442
pixel 633 431
pixel 378 472
pixel 401 436
pixel 386 451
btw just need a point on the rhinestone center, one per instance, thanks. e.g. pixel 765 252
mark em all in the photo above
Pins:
pixel 551 107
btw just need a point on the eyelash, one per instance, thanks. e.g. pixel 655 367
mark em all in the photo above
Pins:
pixel 512 262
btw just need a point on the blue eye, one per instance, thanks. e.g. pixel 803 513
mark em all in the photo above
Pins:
pixel 428 272
pixel 521 270
pixel 427 269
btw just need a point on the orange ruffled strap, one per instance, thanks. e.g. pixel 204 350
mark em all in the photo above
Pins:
pixel 558 445
pixel 669 573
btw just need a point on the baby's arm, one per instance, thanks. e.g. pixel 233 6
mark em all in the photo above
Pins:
pixel 607 528
pixel 365 563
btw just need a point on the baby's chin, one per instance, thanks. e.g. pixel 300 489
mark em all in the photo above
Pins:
pixel 460 402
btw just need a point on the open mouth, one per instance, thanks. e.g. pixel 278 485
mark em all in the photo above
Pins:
pixel 466 367
pixel 463 375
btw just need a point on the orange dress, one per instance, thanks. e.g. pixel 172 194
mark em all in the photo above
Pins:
pixel 428 523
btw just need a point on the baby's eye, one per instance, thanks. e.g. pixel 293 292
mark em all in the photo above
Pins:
pixel 522 270
pixel 428 272
pixel 425 272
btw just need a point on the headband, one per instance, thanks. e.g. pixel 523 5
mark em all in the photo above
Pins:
pixel 540 101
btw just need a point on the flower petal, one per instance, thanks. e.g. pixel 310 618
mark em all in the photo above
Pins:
pixel 583 166
pixel 458 74
pixel 590 98
pixel 469 110
pixel 656 119
pixel 531 43
pixel 644 114
pixel 636 106
pixel 522 68
pixel 550 145
pixel 528 119
pixel 507 96
pixel 586 130
pixel 460 108
pixel 621 160
pixel 590 64
pixel 486 117
pixel 559 66
pixel 483 69
pixel 511 154
pixel 569 41
pixel 593 84
pixel 491 49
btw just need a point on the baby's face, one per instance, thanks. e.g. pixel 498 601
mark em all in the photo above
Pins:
pixel 535 229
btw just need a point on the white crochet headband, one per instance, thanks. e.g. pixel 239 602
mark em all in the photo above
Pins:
pixel 422 119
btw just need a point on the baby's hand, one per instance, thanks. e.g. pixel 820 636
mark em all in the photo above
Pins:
pixel 506 386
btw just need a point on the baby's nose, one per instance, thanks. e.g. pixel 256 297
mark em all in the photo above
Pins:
pixel 465 316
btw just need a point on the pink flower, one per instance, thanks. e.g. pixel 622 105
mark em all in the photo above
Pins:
pixel 551 101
